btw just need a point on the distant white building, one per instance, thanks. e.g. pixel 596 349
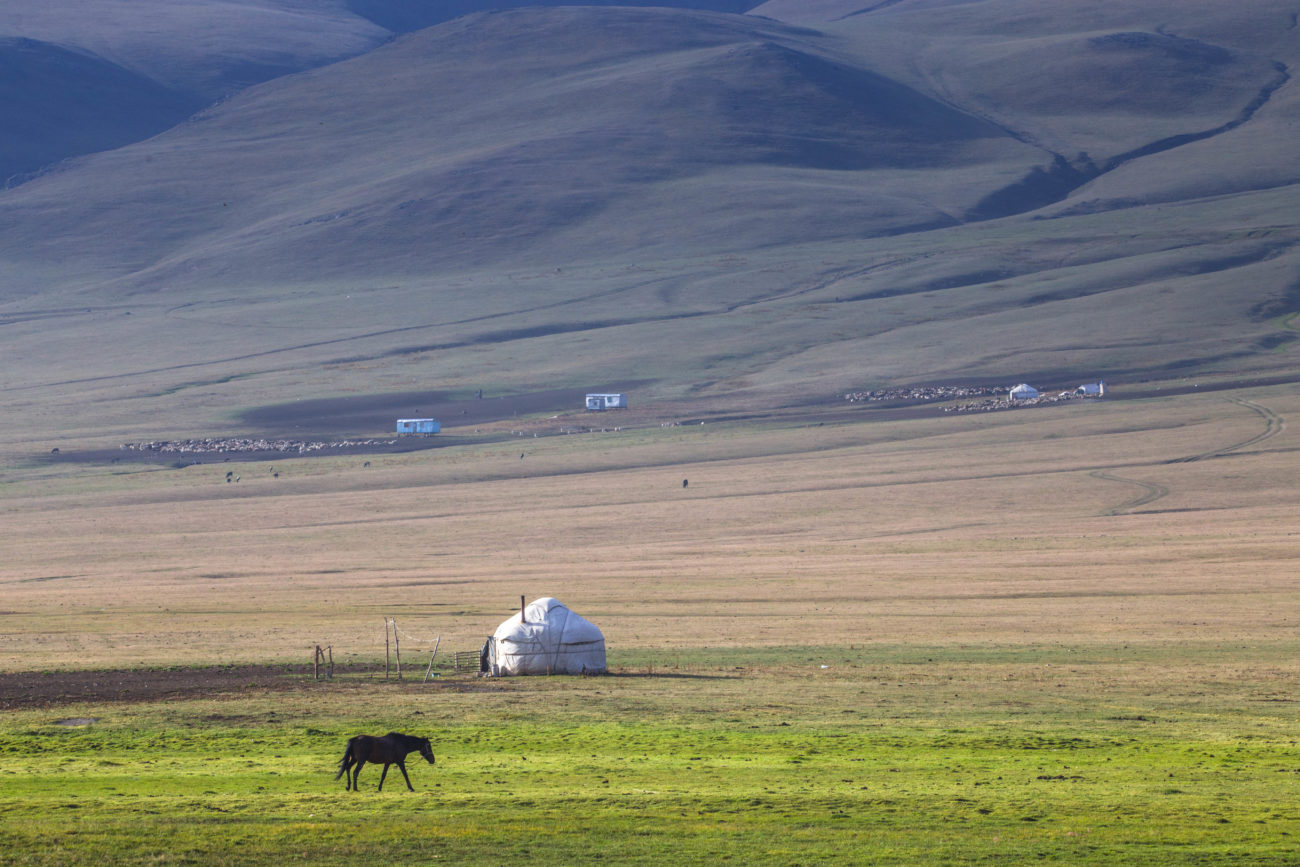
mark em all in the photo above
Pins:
pixel 418 426
pixel 1092 389
pixel 1023 391
pixel 602 402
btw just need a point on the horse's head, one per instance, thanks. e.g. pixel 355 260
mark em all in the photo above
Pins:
pixel 426 750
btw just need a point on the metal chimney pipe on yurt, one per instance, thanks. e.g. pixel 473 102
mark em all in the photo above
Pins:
pixel 523 614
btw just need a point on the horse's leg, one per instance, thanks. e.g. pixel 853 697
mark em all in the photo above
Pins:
pixel 356 772
pixel 381 777
pixel 345 766
pixel 401 763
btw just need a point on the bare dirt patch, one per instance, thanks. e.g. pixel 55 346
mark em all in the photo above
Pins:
pixel 309 428
pixel 49 689
pixel 25 690
pixel 370 414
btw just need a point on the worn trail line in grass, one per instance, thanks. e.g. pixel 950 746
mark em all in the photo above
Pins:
pixel 1274 424
pixel 1152 493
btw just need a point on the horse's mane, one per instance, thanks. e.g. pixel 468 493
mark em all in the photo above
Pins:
pixel 405 739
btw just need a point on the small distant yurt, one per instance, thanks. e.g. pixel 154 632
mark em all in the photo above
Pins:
pixel 1023 391
pixel 545 637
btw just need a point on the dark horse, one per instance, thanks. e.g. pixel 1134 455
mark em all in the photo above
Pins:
pixel 391 749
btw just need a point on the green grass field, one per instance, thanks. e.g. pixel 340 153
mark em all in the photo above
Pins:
pixel 888 755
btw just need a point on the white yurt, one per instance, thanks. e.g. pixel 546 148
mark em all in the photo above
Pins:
pixel 545 637
pixel 1023 391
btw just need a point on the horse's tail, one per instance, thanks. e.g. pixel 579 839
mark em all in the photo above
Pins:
pixel 348 758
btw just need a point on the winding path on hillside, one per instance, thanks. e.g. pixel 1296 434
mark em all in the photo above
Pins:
pixel 1150 493
pixel 1274 424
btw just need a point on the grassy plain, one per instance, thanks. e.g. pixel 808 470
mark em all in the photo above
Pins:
pixel 896 755
pixel 1063 633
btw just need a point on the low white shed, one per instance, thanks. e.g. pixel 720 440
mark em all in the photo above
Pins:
pixel 602 402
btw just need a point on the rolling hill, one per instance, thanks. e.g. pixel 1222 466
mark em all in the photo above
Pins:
pixel 460 147
pixel 1103 90
pixel 81 76
pixel 715 205
pixel 70 104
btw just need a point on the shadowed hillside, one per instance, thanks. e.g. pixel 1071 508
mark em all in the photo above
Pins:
pixel 515 136
pixel 82 76
pixel 1098 88
pixel 60 103
pixel 208 48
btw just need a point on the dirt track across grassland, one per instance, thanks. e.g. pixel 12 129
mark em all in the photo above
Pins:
pixel 30 689
pixel 48 689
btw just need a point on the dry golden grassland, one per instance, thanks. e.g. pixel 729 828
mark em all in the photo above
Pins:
pixel 1078 524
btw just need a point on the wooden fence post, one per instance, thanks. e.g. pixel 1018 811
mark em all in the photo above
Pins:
pixel 397 645
pixel 429 670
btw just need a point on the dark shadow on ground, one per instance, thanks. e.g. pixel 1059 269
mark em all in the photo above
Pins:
pixel 669 675
pixel 49 689
pixel 377 414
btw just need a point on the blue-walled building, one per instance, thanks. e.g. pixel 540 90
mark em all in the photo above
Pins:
pixel 418 426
